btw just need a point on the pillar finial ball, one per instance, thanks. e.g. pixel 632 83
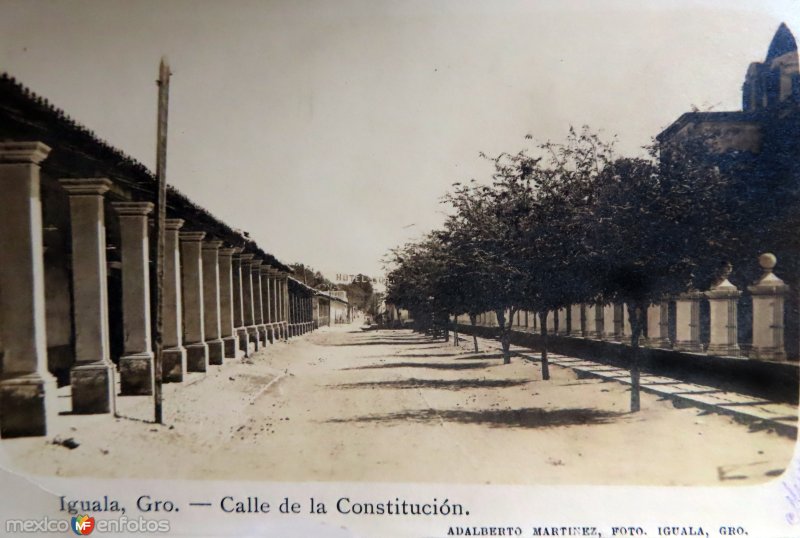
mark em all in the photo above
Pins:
pixel 767 261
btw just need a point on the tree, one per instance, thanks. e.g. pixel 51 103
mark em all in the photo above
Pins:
pixel 640 207
pixel 490 222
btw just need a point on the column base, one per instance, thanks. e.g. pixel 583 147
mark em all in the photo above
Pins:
pixel 688 345
pixel 271 333
pixel 197 357
pixel 136 374
pixel 173 364
pixel 252 336
pixel 216 351
pixel 244 341
pixel 724 350
pixel 27 405
pixel 92 388
pixel 767 353
pixel 231 346
pixel 262 334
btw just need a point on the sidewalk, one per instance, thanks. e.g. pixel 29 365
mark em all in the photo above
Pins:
pixel 758 413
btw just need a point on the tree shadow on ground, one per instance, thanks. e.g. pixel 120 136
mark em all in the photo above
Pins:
pixel 385 343
pixel 447 384
pixel 480 356
pixel 417 355
pixel 431 365
pixel 495 418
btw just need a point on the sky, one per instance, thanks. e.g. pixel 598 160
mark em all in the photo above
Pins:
pixel 331 129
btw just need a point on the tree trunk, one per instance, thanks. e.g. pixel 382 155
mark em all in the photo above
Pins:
pixel 473 320
pixel 545 363
pixel 505 335
pixel 447 332
pixel 455 331
pixel 636 313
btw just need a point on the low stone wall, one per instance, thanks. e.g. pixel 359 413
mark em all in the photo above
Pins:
pixel 774 381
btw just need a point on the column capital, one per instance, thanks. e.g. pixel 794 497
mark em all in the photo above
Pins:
pixel 23 152
pixel 173 224
pixel 86 186
pixel 191 236
pixel 238 250
pixel 266 270
pixel 246 256
pixel 132 208
pixel 211 244
pixel 227 251
pixel 256 263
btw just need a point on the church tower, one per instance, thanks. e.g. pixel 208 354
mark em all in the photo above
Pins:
pixel 776 79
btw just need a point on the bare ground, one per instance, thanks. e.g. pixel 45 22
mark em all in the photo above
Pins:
pixel 346 405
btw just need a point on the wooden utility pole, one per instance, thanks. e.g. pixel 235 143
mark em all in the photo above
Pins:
pixel 161 215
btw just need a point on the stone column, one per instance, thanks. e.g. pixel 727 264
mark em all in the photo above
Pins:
pixel 768 297
pixel 27 389
pixel 92 376
pixel 193 315
pixel 284 298
pixel 226 304
pixel 658 325
pixel 687 322
pixel 608 322
pixel 238 303
pixel 258 302
pixel 575 327
pixel 136 374
pixel 212 328
pixel 173 356
pixel 274 299
pixel 266 301
pixel 723 299
pixel 247 302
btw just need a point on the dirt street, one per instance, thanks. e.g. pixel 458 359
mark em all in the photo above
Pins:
pixel 345 405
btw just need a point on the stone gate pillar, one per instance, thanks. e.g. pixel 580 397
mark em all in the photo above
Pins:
pixel 92 376
pixel 622 330
pixel 226 304
pixel 27 389
pixel 193 315
pixel 589 320
pixel 608 322
pixel 212 327
pixel 723 299
pixel 576 326
pixel 136 374
pixel 687 322
pixel 658 325
pixel 562 321
pixel 173 355
pixel 768 297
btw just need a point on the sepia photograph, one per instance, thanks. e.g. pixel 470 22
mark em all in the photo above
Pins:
pixel 399 268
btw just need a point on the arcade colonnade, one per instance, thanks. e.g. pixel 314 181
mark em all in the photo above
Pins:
pixel 223 298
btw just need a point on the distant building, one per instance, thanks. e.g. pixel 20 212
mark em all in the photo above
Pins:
pixel 770 93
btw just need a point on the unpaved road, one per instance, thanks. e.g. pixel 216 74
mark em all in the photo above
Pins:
pixel 345 405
